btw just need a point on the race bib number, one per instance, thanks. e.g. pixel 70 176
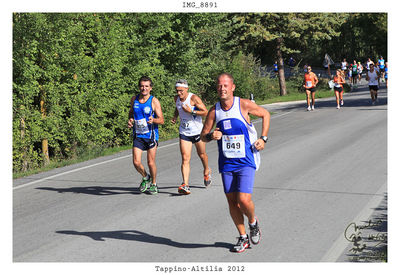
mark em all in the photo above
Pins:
pixel 141 126
pixel 185 124
pixel 308 84
pixel 233 146
pixel 337 85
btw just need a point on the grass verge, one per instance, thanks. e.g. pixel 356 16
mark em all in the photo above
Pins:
pixel 99 152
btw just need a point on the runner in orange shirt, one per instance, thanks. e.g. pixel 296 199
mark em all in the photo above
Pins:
pixel 310 84
pixel 338 88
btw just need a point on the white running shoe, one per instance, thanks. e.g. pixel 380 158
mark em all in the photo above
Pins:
pixel 312 107
pixel 308 108
pixel 338 107
pixel 341 102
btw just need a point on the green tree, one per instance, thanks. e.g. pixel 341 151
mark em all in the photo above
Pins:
pixel 286 33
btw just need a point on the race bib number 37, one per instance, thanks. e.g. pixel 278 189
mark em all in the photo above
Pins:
pixel 233 146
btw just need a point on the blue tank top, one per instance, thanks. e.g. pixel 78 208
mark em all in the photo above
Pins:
pixel 381 63
pixel 235 147
pixel 141 113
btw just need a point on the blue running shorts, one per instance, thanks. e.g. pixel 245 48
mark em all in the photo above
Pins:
pixel 192 139
pixel 241 180
pixel 144 143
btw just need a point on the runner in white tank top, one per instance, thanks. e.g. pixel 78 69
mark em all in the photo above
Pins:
pixel 373 82
pixel 191 124
pixel 190 109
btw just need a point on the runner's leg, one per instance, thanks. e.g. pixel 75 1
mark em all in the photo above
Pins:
pixel 186 152
pixel 151 162
pixel 201 152
pixel 137 161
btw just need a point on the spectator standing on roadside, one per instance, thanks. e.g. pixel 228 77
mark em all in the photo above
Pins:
pixel 276 68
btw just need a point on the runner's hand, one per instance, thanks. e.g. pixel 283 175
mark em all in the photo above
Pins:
pixel 259 144
pixel 217 134
pixel 130 123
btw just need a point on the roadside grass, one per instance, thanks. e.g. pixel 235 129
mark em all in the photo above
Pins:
pixel 101 151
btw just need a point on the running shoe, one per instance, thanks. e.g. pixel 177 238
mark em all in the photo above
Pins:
pixel 338 107
pixel 207 179
pixel 153 189
pixel 255 233
pixel 184 189
pixel 242 244
pixel 312 108
pixel 308 108
pixel 144 185
pixel 341 102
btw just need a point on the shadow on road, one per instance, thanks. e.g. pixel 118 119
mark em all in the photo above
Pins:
pixel 135 235
pixel 107 191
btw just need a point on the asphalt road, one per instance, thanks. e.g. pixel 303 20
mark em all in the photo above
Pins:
pixel 320 171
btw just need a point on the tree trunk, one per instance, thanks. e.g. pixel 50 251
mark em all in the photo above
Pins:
pixel 45 143
pixel 281 70
pixel 24 151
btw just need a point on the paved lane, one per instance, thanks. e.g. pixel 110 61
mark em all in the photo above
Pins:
pixel 319 171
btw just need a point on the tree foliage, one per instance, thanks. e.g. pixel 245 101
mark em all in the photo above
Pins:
pixel 74 73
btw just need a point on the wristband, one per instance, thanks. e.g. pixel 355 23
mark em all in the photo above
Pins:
pixel 264 138
pixel 209 136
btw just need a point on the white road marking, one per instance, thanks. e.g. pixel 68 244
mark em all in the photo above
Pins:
pixel 107 161
pixel 338 247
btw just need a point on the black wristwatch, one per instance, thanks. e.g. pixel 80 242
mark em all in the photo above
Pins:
pixel 264 138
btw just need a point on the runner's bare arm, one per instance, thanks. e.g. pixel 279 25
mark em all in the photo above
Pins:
pixel 206 134
pixel 249 107
pixel 176 113
pixel 158 111
pixel 202 109
pixel 130 116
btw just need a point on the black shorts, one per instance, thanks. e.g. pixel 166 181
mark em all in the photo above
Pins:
pixel 144 143
pixel 338 89
pixel 312 89
pixel 374 87
pixel 192 139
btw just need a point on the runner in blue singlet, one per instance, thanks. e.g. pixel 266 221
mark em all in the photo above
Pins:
pixel 145 115
pixel 238 147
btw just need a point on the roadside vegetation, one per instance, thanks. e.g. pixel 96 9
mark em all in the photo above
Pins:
pixel 74 73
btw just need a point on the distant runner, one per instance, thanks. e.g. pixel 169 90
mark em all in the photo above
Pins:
pixel 386 73
pixel 373 82
pixel 354 73
pixel 360 69
pixel 381 64
pixel 338 88
pixel 310 83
